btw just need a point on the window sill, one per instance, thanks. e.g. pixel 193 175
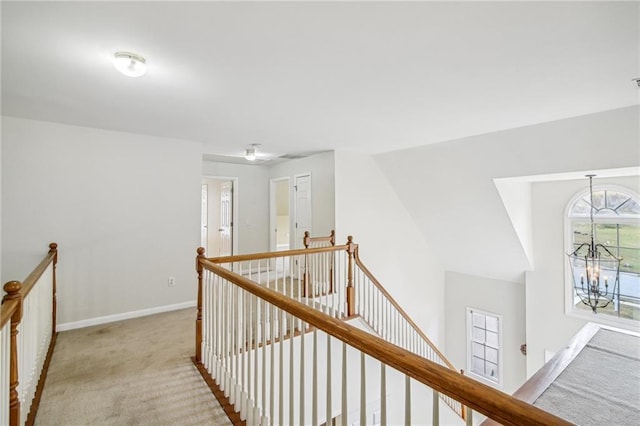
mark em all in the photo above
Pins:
pixel 609 320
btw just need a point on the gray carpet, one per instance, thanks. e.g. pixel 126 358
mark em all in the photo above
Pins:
pixel 602 384
pixel 135 372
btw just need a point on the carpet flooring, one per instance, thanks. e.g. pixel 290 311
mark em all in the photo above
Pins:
pixel 601 385
pixel 134 372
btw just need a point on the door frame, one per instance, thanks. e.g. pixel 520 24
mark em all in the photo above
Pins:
pixel 294 218
pixel 273 243
pixel 234 205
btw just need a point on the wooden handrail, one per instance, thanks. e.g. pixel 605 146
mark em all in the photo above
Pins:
pixel 14 295
pixel 35 275
pixel 400 310
pixel 482 398
pixel 12 310
pixel 7 310
pixel 274 254
pixel 308 239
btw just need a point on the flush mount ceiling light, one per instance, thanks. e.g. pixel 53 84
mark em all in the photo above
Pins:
pixel 250 152
pixel 130 64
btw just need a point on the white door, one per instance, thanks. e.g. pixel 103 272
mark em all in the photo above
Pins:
pixel 204 215
pixel 226 218
pixel 302 190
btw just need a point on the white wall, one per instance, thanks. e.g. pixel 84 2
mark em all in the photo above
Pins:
pixel 123 208
pixel 252 193
pixel 391 245
pixel 1 276
pixel 448 188
pixel 462 291
pixel 547 325
pixel 321 167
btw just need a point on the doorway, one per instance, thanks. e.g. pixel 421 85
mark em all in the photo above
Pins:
pixel 280 216
pixel 302 220
pixel 218 210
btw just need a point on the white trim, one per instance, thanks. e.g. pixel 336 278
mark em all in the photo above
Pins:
pixel 124 316
pixel 235 197
pixel 500 382
pixel 294 243
pixel 570 298
pixel 273 244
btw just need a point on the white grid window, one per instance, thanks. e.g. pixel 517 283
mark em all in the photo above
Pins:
pixel 616 213
pixel 484 358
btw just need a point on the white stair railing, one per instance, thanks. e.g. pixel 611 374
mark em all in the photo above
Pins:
pixel 333 280
pixel 384 315
pixel 279 361
pixel 27 336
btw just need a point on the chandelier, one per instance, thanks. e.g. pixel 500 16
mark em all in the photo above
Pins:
pixel 595 270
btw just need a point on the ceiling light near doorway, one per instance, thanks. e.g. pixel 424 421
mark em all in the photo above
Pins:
pixel 130 64
pixel 250 152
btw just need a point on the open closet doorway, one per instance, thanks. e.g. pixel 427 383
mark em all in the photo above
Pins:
pixel 280 217
pixel 218 212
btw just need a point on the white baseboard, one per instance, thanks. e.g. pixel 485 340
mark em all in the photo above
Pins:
pixel 123 316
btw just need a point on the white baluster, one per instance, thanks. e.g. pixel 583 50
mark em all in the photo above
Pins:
pixel 329 411
pixel 407 400
pixel 435 418
pixel 302 398
pixel 272 337
pixel 344 412
pixel 383 394
pixel 281 367
pixel 291 372
pixel 314 387
pixel 363 391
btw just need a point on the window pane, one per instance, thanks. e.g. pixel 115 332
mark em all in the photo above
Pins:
pixel 615 199
pixel 477 366
pixel 630 287
pixel 491 370
pixel 492 355
pixel 492 324
pixel 631 207
pixel 492 339
pixel 477 350
pixel 478 320
pixel 630 235
pixel 581 233
pixel 607 234
pixel 478 335
pixel 598 199
pixel 580 208
pixel 630 260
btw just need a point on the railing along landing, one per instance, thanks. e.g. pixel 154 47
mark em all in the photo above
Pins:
pixel 280 357
pixel 27 338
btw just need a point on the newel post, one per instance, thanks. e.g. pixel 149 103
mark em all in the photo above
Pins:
pixel 199 268
pixel 306 241
pixel 53 248
pixel 13 293
pixel 351 290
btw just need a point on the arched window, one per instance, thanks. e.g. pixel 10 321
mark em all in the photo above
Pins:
pixel 616 213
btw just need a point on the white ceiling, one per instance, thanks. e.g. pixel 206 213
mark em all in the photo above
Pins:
pixel 297 77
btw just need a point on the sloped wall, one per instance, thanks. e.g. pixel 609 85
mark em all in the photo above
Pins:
pixel 391 245
pixel 449 193
pixel 448 188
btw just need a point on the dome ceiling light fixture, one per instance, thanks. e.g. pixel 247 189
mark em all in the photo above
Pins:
pixel 130 64
pixel 250 152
